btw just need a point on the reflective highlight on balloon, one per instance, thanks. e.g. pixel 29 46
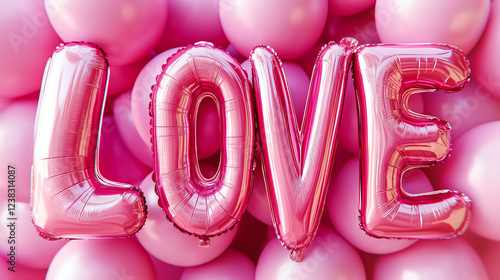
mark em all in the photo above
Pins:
pixel 201 206
pixel 393 139
pixel 297 163
pixel 70 199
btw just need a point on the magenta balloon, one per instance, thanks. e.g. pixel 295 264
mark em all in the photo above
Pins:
pixel 102 260
pixel 17 121
pixel 445 259
pixel 360 26
pixel 485 58
pixel 474 169
pixel 291 27
pixel 116 162
pixel 330 257
pixel 469 108
pixel 346 8
pixel 126 29
pixel 230 265
pixel 30 250
pixel 297 162
pixel 123 77
pixel 454 22
pixel 141 92
pixel 122 115
pixel 393 139
pixel 162 240
pixel 70 198
pixel 491 258
pixel 343 204
pixel 27 40
pixel 191 21
pixel 21 272
pixel 202 206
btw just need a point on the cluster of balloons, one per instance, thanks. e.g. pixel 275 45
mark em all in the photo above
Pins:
pixel 138 37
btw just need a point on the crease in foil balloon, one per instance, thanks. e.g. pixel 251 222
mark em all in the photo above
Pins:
pixel 393 139
pixel 70 198
pixel 297 163
pixel 204 207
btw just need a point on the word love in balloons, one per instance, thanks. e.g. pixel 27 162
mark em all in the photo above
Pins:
pixel 72 200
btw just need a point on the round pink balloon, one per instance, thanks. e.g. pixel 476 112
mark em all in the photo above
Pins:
pixel 328 257
pixel 123 77
pixel 122 115
pixel 473 169
pixel 190 21
pixel 164 269
pixel 485 58
pixel 470 107
pixel 116 162
pixel 141 94
pixel 258 205
pixel 17 122
pixel 30 250
pixel 346 8
pixel 291 27
pixel 455 22
pixel 446 259
pixel 360 26
pixel 126 29
pixel 27 42
pixel 162 240
pixel 230 265
pixel 102 260
pixel 20 272
pixel 343 205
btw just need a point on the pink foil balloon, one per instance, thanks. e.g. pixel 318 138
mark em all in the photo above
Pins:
pixel 230 265
pixel 343 204
pixel 70 198
pixel 122 115
pixel 102 260
pixel 29 249
pixel 191 21
pixel 126 29
pixel 17 121
pixel 485 58
pixel 162 240
pixel 329 257
pixel 291 27
pixel 394 139
pixel 297 163
pixel 473 169
pixel 350 7
pixel 202 206
pixel 454 22
pixel 27 40
pixel 445 259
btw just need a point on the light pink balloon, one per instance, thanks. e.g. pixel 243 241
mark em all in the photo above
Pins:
pixel 116 162
pixel 123 77
pixel 455 22
pixel 393 139
pixel 343 204
pixel 162 240
pixel 464 110
pixel 258 205
pixel 122 115
pixel 141 94
pixel 445 259
pixel 17 121
pixel 485 58
pixel 202 206
pixel 191 21
pixel 473 169
pixel 102 260
pixel 230 265
pixel 329 257
pixel 30 250
pixel 70 198
pixel 291 27
pixel 297 162
pixel 126 29
pixel 350 7
pixel 20 272
pixel 27 41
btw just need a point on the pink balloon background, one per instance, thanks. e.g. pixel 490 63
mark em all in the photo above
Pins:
pixel 134 37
